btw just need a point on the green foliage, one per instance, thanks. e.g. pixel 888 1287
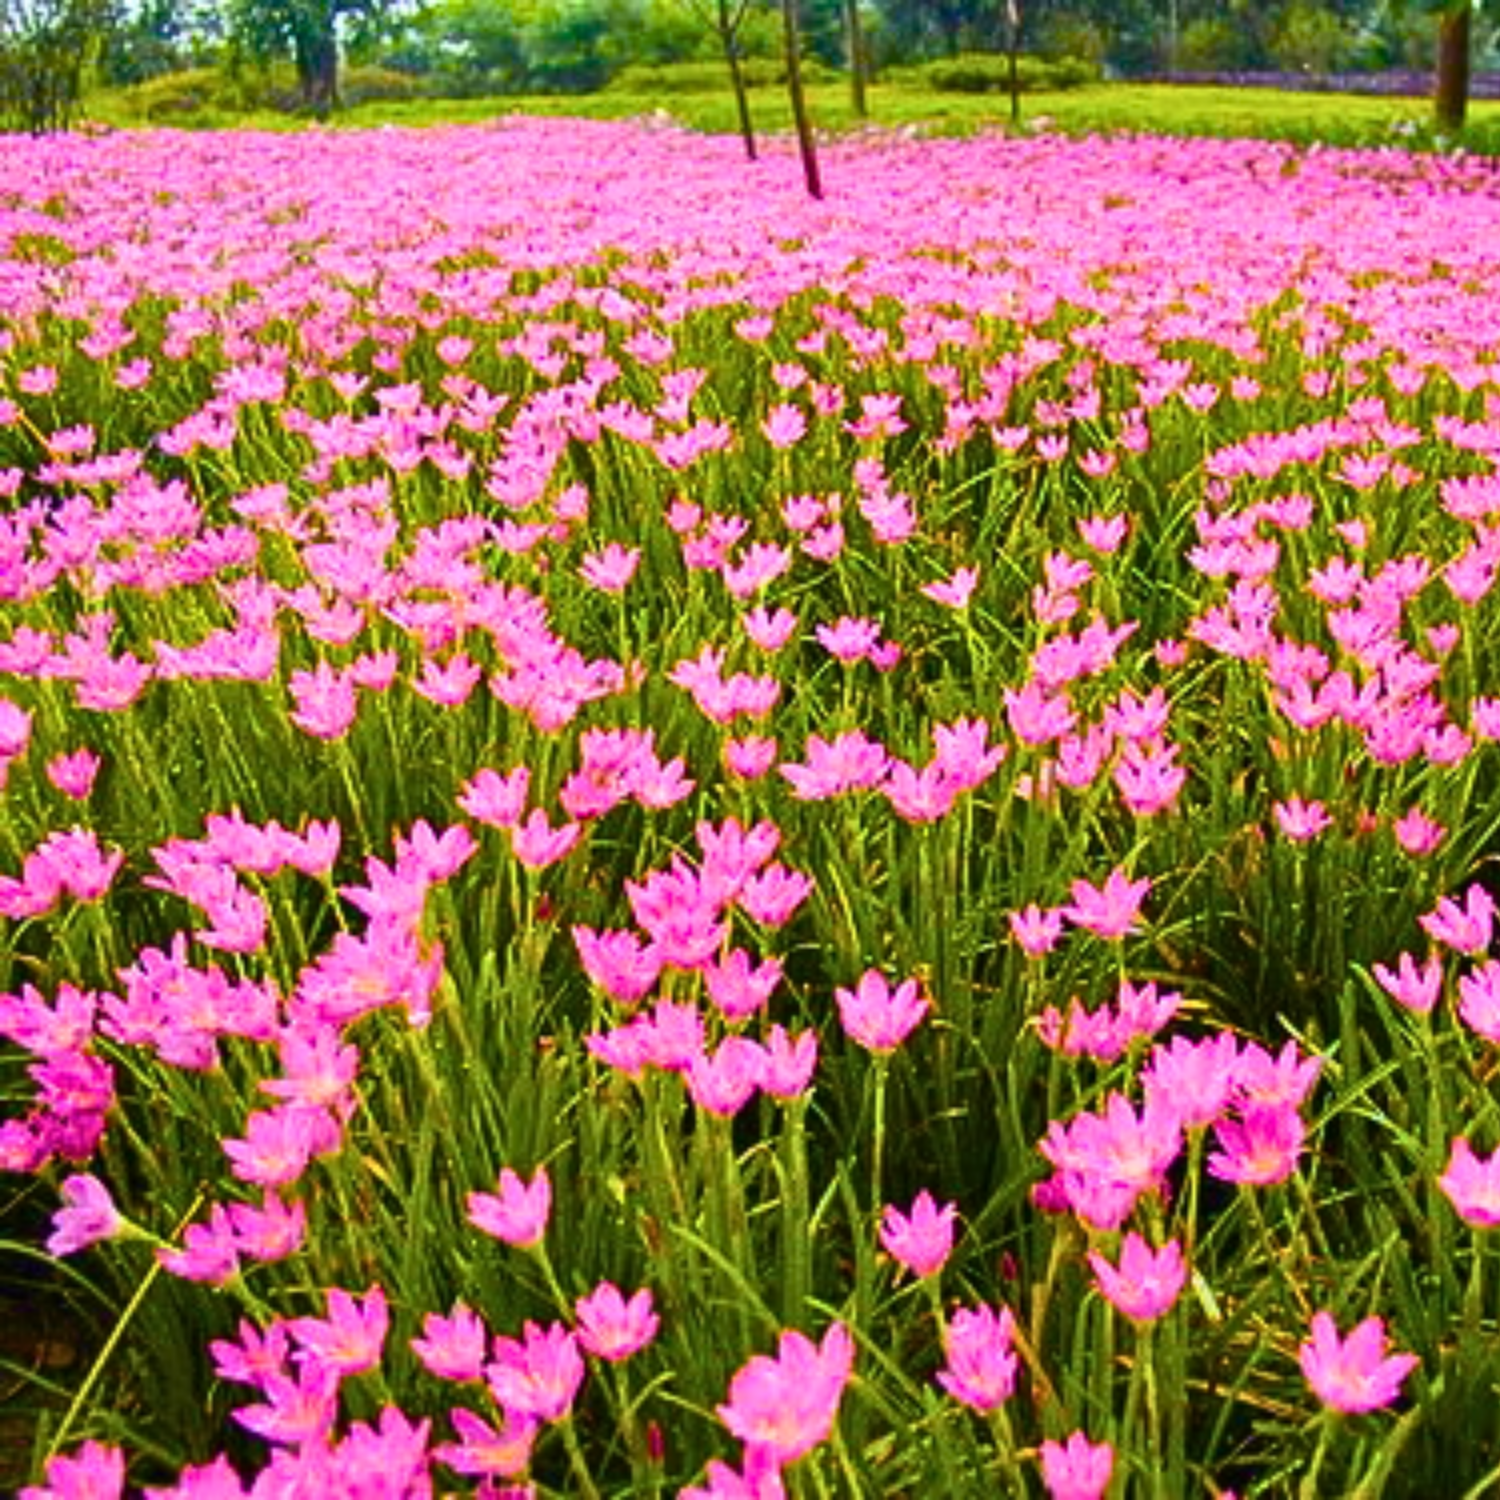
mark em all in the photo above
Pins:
pixel 1063 36
pixel 1210 46
pixel 1309 39
pixel 45 48
pixel 989 73
pixel 218 96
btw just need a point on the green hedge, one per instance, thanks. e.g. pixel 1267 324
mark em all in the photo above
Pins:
pixel 196 95
pixel 989 73
pixel 710 77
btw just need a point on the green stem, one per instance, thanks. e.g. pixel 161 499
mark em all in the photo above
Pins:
pixel 795 1255
pixel 586 1485
pixel 102 1359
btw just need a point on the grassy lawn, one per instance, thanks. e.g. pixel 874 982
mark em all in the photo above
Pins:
pixel 1339 119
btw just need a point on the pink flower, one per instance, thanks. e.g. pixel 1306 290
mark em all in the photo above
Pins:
pixel 771 896
pixel 981 1363
pixel 349 1340
pixel 210 1252
pixel 1259 1149
pixel 540 1376
pixel 295 1411
pixel 1301 821
pixel 482 1449
pixel 1078 1471
pixel 271 1232
pixel 1110 911
pixel 922 1240
pixel 94 1472
pixel 769 629
pixel 760 1479
pixel 1146 1283
pixel 878 1017
pixel 1353 1375
pixel 1479 1000
pixel 789 1062
pixel 750 756
pixel 1472 1185
pixel 611 569
pixel 784 425
pixel 536 844
pixel 518 1213
pixel 1415 988
pixel 87 1216
pixel 726 1080
pixel 955 592
pixel 1418 834
pixel 611 1328
pixel 495 799
pixel 1036 931
pixel 73 775
pixel 452 1348
pixel 784 1407
pixel 738 987
pixel 1466 928
pixel 618 962
pixel 1193 1079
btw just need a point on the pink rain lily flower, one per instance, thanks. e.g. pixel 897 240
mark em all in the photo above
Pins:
pixel 516 1214
pixel 612 1328
pixel 1146 1282
pixel 878 1017
pixel 1472 1185
pixel 921 1240
pixel 1077 1469
pixel 784 1407
pixel 87 1216
pixel 1353 1374
pixel 980 1370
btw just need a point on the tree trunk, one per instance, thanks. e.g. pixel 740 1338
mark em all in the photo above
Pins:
pixel 728 25
pixel 806 145
pixel 317 57
pixel 1451 96
pixel 1013 49
pixel 854 41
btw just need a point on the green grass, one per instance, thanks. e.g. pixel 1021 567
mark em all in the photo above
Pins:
pixel 1304 118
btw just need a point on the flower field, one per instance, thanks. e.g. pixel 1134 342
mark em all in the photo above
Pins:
pixel 660 839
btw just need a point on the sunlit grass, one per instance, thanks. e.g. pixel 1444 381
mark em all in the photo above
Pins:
pixel 1172 109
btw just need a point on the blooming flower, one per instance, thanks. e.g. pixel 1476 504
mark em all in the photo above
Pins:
pixel 1259 1149
pixel 482 1449
pixel 1146 1283
pixel 878 1017
pixel 94 1472
pixel 1466 928
pixel 1472 1185
pixel 1301 821
pixel 1354 1374
pixel 784 1407
pixel 1108 911
pixel 980 1368
pixel 518 1213
pixel 1077 1470
pixel 73 775
pixel 955 592
pixel 611 1328
pixel 538 1375
pixel 452 1348
pixel 349 1339
pixel 921 1240
pixel 88 1215
pixel 1035 930
pixel 1416 988
pixel 610 569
